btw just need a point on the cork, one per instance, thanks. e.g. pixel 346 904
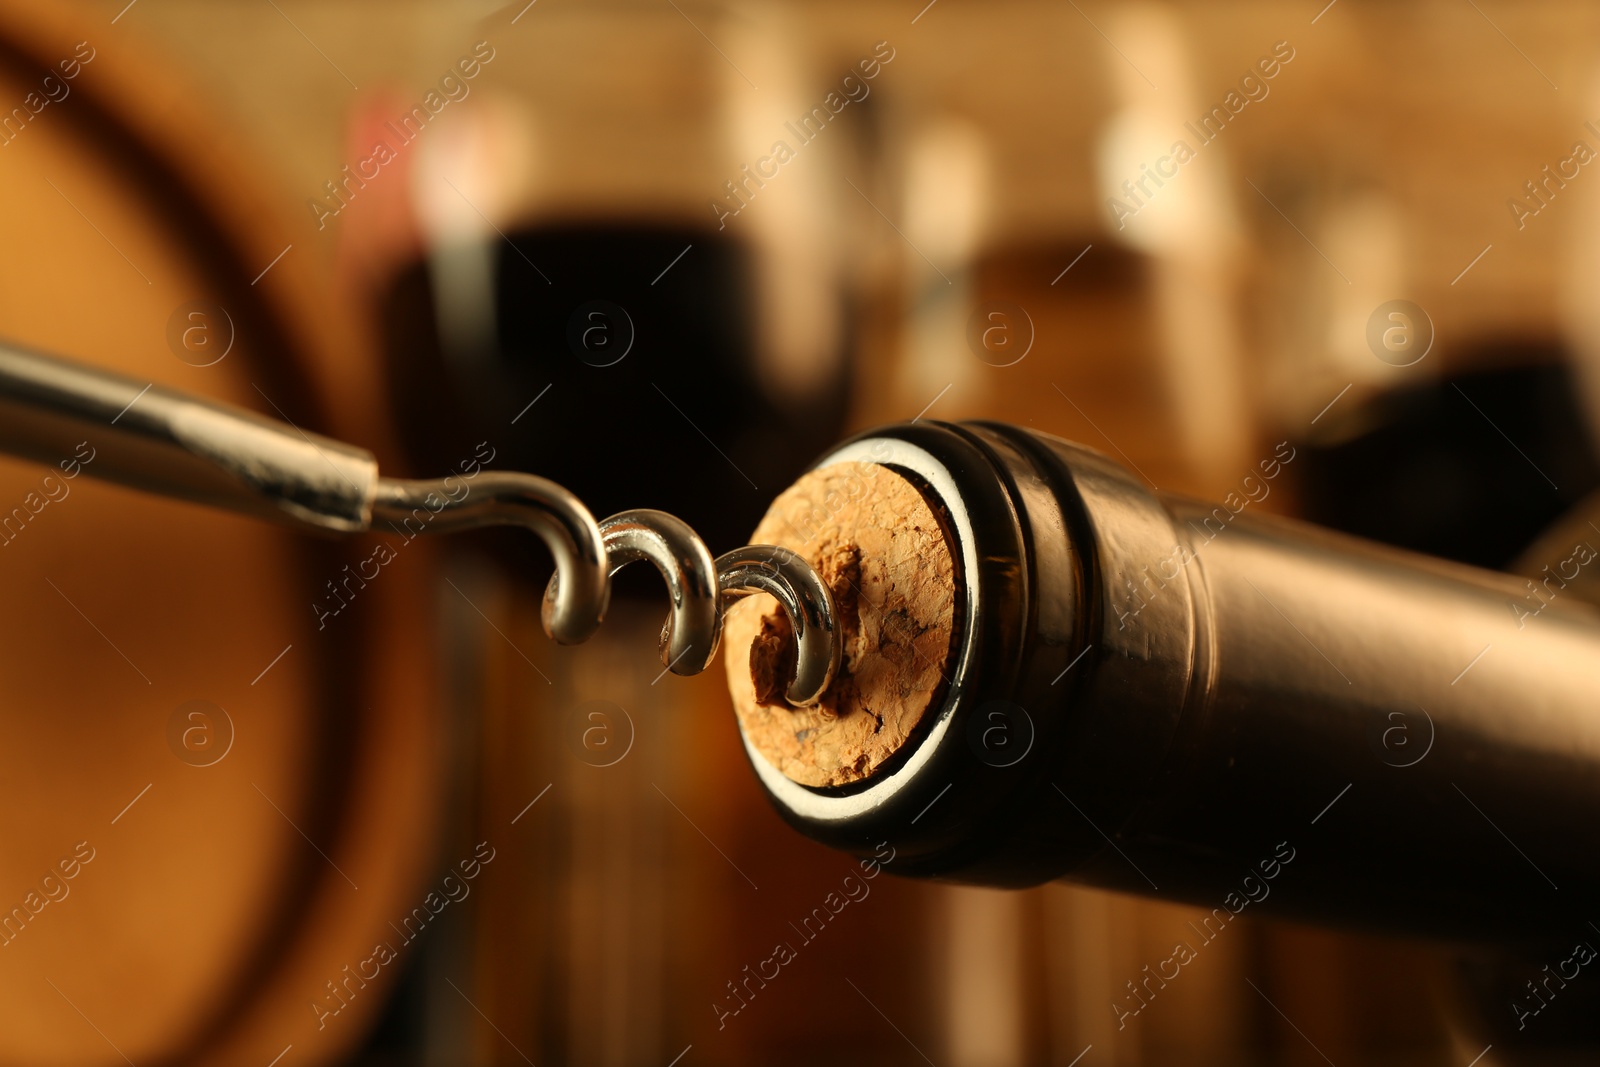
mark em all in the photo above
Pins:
pixel 877 544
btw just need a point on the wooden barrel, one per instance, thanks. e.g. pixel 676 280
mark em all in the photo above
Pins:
pixel 214 799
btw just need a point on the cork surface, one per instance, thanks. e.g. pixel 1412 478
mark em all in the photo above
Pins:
pixel 875 542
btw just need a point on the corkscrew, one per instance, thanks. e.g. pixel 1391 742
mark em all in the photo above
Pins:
pixel 173 444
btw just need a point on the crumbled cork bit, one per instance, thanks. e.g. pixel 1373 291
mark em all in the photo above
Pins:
pixel 877 544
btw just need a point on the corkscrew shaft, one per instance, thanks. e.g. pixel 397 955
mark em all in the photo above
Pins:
pixel 173 444
pixel 167 442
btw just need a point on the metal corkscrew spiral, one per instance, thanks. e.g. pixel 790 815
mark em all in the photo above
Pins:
pixel 587 553
pixel 174 444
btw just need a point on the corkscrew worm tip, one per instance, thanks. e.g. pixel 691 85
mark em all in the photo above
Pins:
pixel 805 598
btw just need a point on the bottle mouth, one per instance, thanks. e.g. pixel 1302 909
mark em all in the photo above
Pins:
pixel 1024 574
pixel 812 777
